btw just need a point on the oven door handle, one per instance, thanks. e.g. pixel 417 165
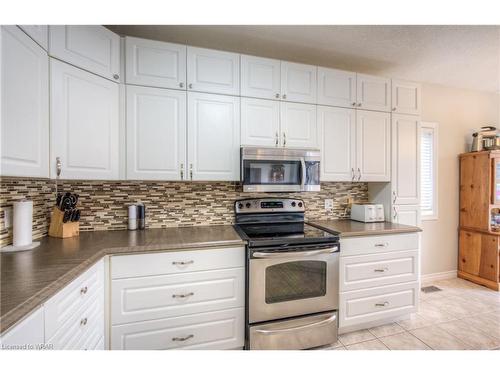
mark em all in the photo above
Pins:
pixel 295 254
pixel 305 326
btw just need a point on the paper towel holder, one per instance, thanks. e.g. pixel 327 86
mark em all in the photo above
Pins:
pixel 27 246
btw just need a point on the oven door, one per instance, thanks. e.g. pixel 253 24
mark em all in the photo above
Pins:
pixel 279 174
pixel 292 283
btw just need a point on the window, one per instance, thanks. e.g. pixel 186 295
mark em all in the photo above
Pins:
pixel 428 171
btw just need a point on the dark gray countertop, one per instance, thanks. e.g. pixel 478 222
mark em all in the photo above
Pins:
pixel 30 278
pixel 351 228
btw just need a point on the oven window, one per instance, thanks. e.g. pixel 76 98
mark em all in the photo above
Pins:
pixel 295 280
pixel 272 172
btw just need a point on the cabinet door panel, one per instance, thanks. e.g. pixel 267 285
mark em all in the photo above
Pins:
pixel 153 63
pixel 93 48
pixel 298 82
pixel 469 257
pixel 406 214
pixel 84 121
pixel 39 33
pixel 298 125
pixel 373 93
pixel 213 71
pixel 373 157
pixel 213 137
pixel 336 87
pixel 260 122
pixel 337 137
pixel 406 97
pixel 28 331
pixel 25 106
pixel 405 159
pixel 260 77
pixel 156 133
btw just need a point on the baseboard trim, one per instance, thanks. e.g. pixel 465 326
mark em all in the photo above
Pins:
pixel 439 276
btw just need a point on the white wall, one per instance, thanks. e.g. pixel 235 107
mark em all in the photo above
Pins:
pixel 458 112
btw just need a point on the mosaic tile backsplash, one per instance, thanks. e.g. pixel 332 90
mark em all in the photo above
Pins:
pixel 168 204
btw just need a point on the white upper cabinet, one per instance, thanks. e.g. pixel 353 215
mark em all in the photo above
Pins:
pixel 405 159
pixel 93 48
pixel 406 97
pixel 213 137
pixel 153 63
pixel 260 122
pixel 373 93
pixel 213 71
pixel 156 133
pixel 337 135
pixel 84 124
pixel 336 87
pixel 298 82
pixel 373 146
pixel 260 77
pixel 39 33
pixel 25 105
pixel 298 125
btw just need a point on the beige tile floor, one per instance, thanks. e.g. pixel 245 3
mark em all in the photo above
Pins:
pixel 462 316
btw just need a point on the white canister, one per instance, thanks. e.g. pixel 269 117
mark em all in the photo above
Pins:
pixel 132 217
pixel 23 223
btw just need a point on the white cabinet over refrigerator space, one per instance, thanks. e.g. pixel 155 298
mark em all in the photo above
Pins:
pixel 25 105
pixel 298 82
pixel 373 93
pixel 336 87
pixel 260 77
pixel 84 124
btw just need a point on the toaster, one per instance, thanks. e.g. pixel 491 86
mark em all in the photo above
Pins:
pixel 367 213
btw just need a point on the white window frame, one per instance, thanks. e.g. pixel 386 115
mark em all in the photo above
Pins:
pixel 434 128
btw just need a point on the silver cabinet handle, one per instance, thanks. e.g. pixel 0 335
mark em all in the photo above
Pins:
pixel 58 166
pixel 394 109
pixel 383 304
pixel 359 104
pixel 277 139
pixel 395 212
pixel 394 197
pixel 182 171
pixel 83 322
pixel 182 338
pixel 328 320
pixel 183 263
pixel 116 76
pixel 191 171
pixel 385 269
pixel 385 244
pixel 190 86
pixel 353 175
pixel 295 254
pixel 183 295
pixel 277 96
pixel 83 290
pixel 284 139
pixel 354 104
pixel 359 174
pixel 181 85
pixel 284 96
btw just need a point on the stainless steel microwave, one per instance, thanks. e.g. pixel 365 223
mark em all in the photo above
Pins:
pixel 273 169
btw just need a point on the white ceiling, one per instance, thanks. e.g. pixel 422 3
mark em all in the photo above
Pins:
pixel 456 56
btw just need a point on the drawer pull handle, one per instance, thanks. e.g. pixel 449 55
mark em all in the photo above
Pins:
pixel 83 322
pixel 381 269
pixel 83 290
pixel 183 263
pixel 182 295
pixel 384 304
pixel 182 338
pixel 385 244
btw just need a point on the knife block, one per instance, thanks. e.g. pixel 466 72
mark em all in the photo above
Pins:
pixel 60 229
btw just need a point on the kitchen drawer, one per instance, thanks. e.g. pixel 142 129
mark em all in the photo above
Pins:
pixel 68 301
pixel 83 327
pixel 368 271
pixel 379 244
pixel 214 330
pixel 156 297
pixel 176 262
pixel 373 304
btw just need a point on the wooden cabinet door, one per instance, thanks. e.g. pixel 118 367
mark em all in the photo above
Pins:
pixel 336 87
pixel 260 122
pixel 373 146
pixel 25 106
pixel 469 257
pixel 153 63
pixel 260 77
pixel 39 33
pixel 406 97
pixel 213 137
pixel 405 159
pixel 92 47
pixel 373 93
pixel 156 133
pixel 298 82
pixel 337 139
pixel 84 124
pixel 298 125
pixel 213 71
pixel 490 256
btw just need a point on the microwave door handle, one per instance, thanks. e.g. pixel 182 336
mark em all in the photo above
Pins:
pixel 303 163
pixel 295 254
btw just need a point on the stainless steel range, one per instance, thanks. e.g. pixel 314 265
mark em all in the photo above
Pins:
pixel 292 276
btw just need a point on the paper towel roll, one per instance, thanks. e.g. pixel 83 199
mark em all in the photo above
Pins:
pixel 23 223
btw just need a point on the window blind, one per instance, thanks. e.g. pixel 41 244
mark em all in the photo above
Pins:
pixel 427 183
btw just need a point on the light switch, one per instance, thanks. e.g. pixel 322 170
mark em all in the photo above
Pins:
pixel 328 204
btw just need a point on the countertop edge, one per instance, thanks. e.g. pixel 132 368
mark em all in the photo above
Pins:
pixel 410 229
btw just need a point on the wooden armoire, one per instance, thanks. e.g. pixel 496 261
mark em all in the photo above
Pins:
pixel 479 237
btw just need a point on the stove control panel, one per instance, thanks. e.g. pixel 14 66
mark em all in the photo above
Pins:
pixel 264 205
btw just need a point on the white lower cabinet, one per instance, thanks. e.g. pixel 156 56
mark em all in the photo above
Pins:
pixel 27 334
pixel 184 299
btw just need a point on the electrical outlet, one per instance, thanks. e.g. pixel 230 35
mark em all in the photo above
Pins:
pixel 7 217
pixel 328 204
